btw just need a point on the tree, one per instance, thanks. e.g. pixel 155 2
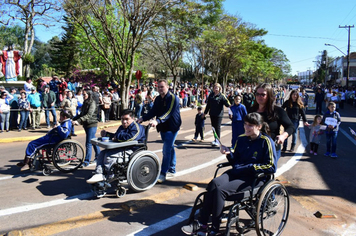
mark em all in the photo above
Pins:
pixel 115 30
pixel 177 26
pixel 13 35
pixel 31 13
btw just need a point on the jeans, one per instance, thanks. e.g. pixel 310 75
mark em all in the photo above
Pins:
pixel 5 120
pixel 90 134
pixel 23 120
pixel 185 101
pixel 294 134
pixel 54 115
pixel 169 154
pixel 331 141
pixel 138 110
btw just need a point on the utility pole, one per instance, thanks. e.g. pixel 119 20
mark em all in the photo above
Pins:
pixel 348 54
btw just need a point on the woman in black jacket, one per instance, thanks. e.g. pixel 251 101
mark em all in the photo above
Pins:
pixel 295 109
pixel 274 116
pixel 88 118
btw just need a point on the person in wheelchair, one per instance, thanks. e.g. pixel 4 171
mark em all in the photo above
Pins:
pixel 254 152
pixel 54 136
pixel 128 131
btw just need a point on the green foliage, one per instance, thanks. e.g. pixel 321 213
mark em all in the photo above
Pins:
pixel 12 36
pixel 28 59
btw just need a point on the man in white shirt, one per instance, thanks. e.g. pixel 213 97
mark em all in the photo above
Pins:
pixel 28 85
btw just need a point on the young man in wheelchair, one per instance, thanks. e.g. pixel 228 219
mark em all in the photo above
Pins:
pixel 254 152
pixel 128 131
pixel 54 136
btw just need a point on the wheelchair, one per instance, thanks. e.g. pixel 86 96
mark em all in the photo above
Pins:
pixel 266 203
pixel 65 156
pixel 140 169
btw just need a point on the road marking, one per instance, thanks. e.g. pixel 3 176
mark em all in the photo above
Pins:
pixel 348 136
pixel 162 225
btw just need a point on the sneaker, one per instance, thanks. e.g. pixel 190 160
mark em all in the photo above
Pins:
pixel 25 167
pixel 315 153
pixel 195 228
pixel 201 140
pixel 214 144
pixel 170 175
pixel 333 155
pixel 194 140
pixel 284 149
pixel 85 163
pixel 96 178
pixel 92 162
pixel 48 127
pixel 161 179
pixel 327 154
pixel 20 164
pixel 292 149
pixel 311 152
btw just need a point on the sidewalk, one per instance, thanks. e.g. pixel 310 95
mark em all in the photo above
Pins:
pixel 29 135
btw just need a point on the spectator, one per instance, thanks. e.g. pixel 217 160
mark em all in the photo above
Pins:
pixel 215 107
pixel 48 102
pixel 115 104
pixel 138 104
pixel 14 109
pixel 5 98
pixel 168 121
pixel 80 100
pixel 28 85
pixel 24 107
pixel 248 98
pixel 319 98
pixel 34 99
pixel 106 105
pixel 88 118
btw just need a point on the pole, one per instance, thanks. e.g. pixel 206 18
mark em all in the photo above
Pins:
pixel 348 54
pixel 202 76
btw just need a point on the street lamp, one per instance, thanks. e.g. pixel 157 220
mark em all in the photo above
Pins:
pixel 348 63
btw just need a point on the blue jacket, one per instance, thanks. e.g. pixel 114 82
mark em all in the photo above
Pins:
pixel 199 122
pixel 60 132
pixel 167 113
pixel 253 156
pixel 135 131
pixel 215 104
pixel 238 112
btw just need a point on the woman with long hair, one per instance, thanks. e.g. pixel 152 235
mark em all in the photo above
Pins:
pixel 274 115
pixel 88 118
pixel 295 109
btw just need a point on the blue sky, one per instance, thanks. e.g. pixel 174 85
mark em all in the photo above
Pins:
pixel 299 28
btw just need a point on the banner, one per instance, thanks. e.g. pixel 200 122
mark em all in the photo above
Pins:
pixel 311 104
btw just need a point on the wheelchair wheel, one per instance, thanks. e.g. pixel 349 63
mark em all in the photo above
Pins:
pixel 272 209
pixel 120 192
pixel 143 171
pixel 46 171
pixel 68 156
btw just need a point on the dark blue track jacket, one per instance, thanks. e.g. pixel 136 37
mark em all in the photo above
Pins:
pixel 167 113
pixel 253 156
pixel 135 131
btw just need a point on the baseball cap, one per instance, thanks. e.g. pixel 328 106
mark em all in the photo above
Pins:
pixel 33 88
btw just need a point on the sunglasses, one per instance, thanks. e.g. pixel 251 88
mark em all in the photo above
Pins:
pixel 261 94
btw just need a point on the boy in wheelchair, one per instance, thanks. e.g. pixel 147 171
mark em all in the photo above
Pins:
pixel 128 131
pixel 254 152
pixel 54 136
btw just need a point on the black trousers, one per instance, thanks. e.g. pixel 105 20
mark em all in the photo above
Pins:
pixel 199 131
pixel 217 191
pixel 216 123
pixel 318 108
pixel 314 147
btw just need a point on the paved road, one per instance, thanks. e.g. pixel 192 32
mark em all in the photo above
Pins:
pixel 62 204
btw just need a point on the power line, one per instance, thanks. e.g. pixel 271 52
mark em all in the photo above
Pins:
pixel 298 36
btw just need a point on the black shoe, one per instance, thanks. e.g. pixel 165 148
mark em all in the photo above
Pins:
pixel 292 149
pixel 74 135
pixel 284 149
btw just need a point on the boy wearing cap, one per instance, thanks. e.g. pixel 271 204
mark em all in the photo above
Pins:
pixel 48 101
pixel 199 125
